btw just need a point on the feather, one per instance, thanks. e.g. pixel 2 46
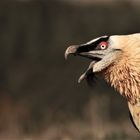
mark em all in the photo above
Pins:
pixel 135 114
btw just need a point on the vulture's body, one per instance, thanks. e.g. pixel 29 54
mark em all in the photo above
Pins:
pixel 117 57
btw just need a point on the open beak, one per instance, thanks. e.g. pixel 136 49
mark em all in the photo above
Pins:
pixel 81 50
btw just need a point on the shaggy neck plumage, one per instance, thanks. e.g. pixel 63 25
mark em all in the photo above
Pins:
pixel 125 78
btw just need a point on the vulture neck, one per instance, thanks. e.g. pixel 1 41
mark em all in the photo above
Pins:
pixel 125 78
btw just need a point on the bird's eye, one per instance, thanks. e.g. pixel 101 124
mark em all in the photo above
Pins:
pixel 103 45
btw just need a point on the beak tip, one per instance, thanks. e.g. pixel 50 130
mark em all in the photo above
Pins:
pixel 70 50
pixel 81 78
pixel 67 52
pixel 79 81
pixel 66 56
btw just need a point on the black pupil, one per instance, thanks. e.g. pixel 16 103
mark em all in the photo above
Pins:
pixel 103 46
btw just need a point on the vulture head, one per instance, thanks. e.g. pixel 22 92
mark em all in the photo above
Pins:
pixel 103 51
pixel 117 58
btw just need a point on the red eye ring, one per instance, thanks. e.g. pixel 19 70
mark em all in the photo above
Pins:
pixel 103 45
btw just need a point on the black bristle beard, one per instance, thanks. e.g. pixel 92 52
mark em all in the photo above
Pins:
pixel 91 78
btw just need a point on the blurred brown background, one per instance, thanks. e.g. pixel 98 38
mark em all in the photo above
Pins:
pixel 40 98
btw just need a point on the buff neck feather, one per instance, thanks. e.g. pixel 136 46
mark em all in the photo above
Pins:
pixel 124 75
